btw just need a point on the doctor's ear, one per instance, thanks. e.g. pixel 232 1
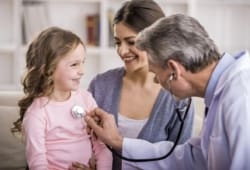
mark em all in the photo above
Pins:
pixel 175 67
pixel 172 64
pixel 172 76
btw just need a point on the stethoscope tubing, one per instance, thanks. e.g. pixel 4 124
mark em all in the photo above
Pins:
pixel 170 151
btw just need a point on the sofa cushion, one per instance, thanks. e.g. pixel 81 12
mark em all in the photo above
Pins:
pixel 12 155
pixel 10 98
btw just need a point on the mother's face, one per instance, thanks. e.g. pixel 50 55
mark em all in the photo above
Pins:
pixel 124 38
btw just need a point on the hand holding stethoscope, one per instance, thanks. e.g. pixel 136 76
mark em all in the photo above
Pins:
pixel 77 112
pixel 107 130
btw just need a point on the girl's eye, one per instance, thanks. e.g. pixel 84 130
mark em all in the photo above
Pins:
pixel 117 43
pixel 74 64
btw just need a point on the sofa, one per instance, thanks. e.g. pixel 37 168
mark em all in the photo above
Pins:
pixel 12 155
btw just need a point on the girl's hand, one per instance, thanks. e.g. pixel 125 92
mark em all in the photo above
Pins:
pixel 80 166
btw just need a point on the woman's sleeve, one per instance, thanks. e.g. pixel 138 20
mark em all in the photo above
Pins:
pixel 34 132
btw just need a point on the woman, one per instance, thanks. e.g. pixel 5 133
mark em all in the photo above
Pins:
pixel 142 109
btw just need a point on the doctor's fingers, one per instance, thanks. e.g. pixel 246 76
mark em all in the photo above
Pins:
pixel 102 120
pixel 97 114
pixel 100 116
pixel 107 128
pixel 100 113
pixel 93 125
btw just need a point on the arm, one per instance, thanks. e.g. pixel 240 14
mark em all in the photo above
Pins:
pixel 34 131
pixel 184 157
pixel 187 156
pixel 236 120
pixel 102 155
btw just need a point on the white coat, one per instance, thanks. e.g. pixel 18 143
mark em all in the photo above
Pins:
pixel 224 142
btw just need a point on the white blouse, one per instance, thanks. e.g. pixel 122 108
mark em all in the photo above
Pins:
pixel 129 128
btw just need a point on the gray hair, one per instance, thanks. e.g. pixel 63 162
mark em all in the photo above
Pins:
pixel 181 38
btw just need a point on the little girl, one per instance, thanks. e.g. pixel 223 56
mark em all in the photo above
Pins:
pixel 51 111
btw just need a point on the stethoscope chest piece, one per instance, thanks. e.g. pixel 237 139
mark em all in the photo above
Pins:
pixel 77 112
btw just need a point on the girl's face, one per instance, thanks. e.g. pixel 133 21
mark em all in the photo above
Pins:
pixel 69 70
pixel 133 58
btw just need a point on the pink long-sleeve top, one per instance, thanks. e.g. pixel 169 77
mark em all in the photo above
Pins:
pixel 54 139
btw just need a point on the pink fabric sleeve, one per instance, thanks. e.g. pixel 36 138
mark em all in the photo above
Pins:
pixel 102 154
pixel 34 131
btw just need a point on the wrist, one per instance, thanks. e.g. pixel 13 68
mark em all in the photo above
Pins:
pixel 117 145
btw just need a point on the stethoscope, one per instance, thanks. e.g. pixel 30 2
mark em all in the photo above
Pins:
pixel 181 119
pixel 78 112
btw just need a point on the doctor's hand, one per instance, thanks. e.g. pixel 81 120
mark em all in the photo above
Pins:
pixel 104 126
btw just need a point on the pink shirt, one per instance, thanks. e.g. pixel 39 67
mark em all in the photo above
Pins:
pixel 54 139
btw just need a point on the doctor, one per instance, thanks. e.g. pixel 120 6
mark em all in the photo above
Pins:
pixel 187 63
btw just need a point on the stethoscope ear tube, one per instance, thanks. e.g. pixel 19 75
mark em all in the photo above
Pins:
pixel 170 151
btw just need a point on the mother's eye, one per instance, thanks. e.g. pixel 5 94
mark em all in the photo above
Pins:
pixel 131 43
